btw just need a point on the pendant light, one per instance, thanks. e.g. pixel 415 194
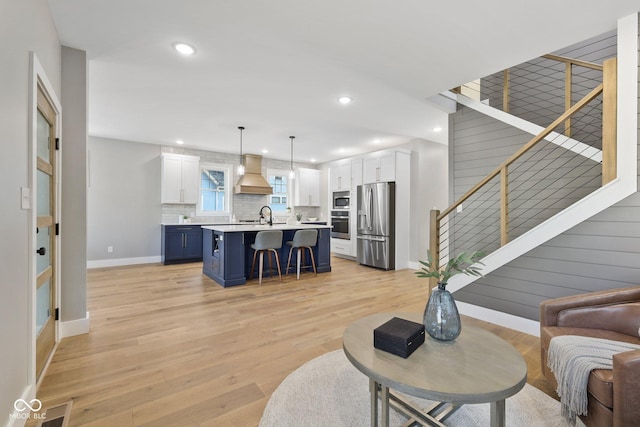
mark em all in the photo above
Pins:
pixel 291 173
pixel 240 169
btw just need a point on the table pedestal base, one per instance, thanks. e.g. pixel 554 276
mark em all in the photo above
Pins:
pixel 433 415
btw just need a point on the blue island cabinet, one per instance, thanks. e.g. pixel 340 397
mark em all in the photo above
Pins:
pixel 223 257
pixel 227 252
pixel 323 250
pixel 321 253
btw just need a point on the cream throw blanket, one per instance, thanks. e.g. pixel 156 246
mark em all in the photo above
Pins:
pixel 571 358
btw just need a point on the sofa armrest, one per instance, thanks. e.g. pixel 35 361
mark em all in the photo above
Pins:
pixel 626 389
pixel 550 309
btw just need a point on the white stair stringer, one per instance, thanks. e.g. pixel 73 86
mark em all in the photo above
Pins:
pixel 615 191
pixel 527 126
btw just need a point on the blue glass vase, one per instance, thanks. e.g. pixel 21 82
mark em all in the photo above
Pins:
pixel 441 317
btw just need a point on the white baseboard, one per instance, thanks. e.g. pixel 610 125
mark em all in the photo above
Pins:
pixel 510 321
pixel 17 418
pixel 99 263
pixel 73 327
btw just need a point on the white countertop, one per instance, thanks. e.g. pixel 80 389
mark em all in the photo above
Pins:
pixel 258 227
pixel 203 223
pixel 194 223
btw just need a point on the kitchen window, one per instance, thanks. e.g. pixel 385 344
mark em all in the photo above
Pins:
pixel 279 181
pixel 215 190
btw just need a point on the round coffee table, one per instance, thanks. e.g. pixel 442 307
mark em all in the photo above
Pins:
pixel 478 367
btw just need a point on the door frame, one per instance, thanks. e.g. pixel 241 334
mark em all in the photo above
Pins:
pixel 39 77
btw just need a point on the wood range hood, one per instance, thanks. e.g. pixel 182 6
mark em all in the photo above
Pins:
pixel 252 182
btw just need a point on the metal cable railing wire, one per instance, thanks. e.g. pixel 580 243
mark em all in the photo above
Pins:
pixel 475 227
pixel 536 89
pixel 564 178
pixel 576 147
pixel 478 228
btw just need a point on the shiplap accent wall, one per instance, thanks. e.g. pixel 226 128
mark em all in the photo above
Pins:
pixel 600 253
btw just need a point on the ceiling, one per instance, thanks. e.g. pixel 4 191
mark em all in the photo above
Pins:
pixel 277 67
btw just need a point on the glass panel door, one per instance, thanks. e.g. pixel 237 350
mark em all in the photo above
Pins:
pixel 45 207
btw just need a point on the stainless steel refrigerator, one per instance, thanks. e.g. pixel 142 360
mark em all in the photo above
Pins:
pixel 376 225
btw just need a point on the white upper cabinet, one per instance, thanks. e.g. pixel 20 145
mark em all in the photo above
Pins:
pixel 340 176
pixel 180 178
pixel 356 173
pixel 380 167
pixel 307 187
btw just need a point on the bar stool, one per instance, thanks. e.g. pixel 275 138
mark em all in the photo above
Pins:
pixel 266 241
pixel 303 239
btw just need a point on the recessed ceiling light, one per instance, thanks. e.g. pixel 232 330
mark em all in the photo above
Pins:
pixel 179 142
pixel 376 141
pixel 184 48
pixel 313 160
pixel 437 129
pixel 341 150
pixel 265 151
pixel 345 100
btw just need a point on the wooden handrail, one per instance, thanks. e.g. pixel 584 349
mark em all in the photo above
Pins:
pixel 577 62
pixel 609 121
pixel 577 107
pixel 434 245
pixel 505 91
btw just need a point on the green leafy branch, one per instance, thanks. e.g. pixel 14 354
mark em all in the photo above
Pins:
pixel 464 263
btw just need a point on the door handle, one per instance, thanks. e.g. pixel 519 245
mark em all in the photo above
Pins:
pixel 42 251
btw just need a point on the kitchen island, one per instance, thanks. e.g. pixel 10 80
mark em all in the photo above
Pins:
pixel 227 253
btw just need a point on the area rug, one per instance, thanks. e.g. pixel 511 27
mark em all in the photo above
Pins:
pixel 329 391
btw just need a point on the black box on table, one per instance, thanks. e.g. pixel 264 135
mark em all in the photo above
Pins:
pixel 399 336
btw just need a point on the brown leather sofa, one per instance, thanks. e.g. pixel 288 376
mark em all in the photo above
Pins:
pixel 614 395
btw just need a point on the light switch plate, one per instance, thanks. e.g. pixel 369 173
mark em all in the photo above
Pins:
pixel 25 198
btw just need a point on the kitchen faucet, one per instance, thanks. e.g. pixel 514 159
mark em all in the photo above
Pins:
pixel 270 214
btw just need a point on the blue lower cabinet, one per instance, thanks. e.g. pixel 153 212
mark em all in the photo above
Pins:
pixel 181 243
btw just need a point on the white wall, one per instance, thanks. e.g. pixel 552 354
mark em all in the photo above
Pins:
pixel 73 292
pixel 429 189
pixel 24 26
pixel 124 208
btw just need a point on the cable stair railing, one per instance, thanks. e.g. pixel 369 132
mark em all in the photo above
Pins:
pixel 549 173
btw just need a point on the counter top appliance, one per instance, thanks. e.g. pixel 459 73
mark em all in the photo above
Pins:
pixel 376 225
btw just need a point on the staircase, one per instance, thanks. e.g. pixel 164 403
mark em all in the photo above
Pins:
pixel 553 184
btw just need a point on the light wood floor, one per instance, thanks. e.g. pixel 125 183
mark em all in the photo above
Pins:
pixel 169 347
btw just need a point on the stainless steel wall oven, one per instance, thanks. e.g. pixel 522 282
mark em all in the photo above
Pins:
pixel 341 224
